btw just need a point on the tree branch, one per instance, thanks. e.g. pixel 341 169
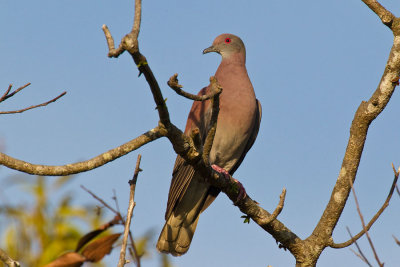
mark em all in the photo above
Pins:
pixel 83 166
pixel 365 114
pixel 7 95
pixel 130 43
pixel 4 257
pixel 396 240
pixel 34 106
pixel 174 85
pixel 376 216
pixel 363 222
pixel 215 88
pixel 386 16
pixel 184 146
pixel 131 206
pixel 360 254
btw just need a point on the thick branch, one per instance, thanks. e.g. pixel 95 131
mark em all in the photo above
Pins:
pixel 386 16
pixel 365 114
pixel 83 166
pixel 4 257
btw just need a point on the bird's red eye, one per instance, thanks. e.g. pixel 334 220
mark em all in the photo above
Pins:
pixel 228 40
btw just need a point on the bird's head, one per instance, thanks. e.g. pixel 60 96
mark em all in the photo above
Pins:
pixel 227 45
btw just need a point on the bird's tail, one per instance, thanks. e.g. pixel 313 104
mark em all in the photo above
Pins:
pixel 176 235
pixel 178 231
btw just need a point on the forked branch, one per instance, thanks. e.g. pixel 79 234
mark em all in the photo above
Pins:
pixel 376 216
pixel 7 95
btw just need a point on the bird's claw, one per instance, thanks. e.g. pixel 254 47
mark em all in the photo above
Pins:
pixel 238 188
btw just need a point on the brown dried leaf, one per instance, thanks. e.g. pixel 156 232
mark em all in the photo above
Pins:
pixel 97 249
pixel 70 259
pixel 87 238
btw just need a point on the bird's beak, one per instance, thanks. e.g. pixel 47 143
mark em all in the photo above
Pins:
pixel 210 49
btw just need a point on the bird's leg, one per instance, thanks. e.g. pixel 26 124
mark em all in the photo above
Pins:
pixel 239 187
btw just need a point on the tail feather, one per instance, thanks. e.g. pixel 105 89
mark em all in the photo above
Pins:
pixel 178 231
pixel 176 238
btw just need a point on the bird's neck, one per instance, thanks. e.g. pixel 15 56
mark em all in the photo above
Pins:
pixel 237 58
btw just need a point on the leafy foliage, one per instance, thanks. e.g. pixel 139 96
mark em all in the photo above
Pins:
pixel 45 226
pixel 40 230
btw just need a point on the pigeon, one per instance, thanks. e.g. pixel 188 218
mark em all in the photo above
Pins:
pixel 237 128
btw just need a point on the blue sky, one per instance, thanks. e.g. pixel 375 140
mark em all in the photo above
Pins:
pixel 311 64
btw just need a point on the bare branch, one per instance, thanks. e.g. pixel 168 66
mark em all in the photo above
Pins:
pixel 278 208
pixel 386 16
pixel 174 85
pixel 83 166
pixel 132 204
pixel 34 106
pixel 101 201
pixel 396 240
pixel 4 257
pixel 130 43
pixel 364 226
pixel 369 225
pixel 112 52
pixel 214 87
pixel 137 19
pixel 184 146
pixel 6 95
pixel 3 97
pixel 365 114
pixel 360 254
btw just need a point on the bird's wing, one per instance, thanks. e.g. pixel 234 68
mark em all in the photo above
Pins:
pixel 181 177
pixel 253 136
pixel 214 191
pixel 182 174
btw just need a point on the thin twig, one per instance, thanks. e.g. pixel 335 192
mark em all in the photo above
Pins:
pixel 396 240
pixel 4 257
pixel 376 216
pixel 3 97
pixel 360 254
pixel 397 190
pixel 101 201
pixel 364 226
pixel 278 208
pixel 174 85
pixel 34 106
pixel 118 216
pixel 132 251
pixel 132 204
pixel 7 95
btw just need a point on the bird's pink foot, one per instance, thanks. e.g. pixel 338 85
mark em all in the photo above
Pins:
pixel 239 187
